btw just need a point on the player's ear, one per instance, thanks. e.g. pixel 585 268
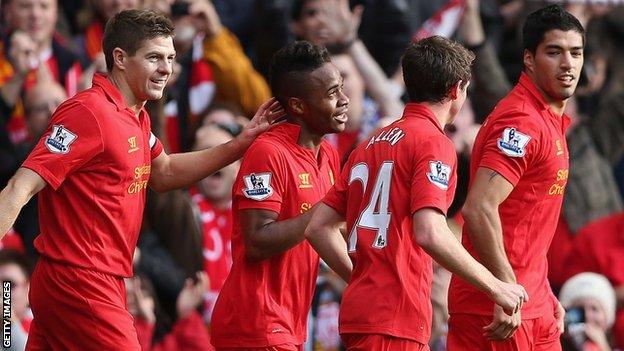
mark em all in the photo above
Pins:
pixel 455 90
pixel 119 56
pixel 528 58
pixel 296 105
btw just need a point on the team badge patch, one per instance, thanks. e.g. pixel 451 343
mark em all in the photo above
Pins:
pixel 513 142
pixel 59 140
pixel 439 174
pixel 258 186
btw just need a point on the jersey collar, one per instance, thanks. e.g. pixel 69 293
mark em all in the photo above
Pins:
pixel 539 100
pixel 417 110
pixel 113 94
pixel 110 90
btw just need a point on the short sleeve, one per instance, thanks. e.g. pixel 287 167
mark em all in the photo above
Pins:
pixel 336 197
pixel 510 146
pixel 155 145
pixel 72 139
pixel 262 178
pixel 433 175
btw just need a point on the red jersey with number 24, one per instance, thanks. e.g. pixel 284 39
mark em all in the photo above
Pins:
pixel 407 166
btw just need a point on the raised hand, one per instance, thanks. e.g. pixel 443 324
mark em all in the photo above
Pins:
pixel 268 113
pixel 143 303
pixel 206 16
pixel 342 23
pixel 503 325
pixel 23 54
pixel 192 294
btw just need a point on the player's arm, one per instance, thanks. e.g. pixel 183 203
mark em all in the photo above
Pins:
pixel 434 236
pixel 489 189
pixel 323 232
pixel 22 186
pixel 179 170
pixel 264 236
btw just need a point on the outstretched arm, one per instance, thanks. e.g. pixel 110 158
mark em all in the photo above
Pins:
pixel 24 185
pixel 179 170
pixel 434 236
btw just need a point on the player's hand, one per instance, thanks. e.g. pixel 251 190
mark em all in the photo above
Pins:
pixel 267 115
pixel 510 297
pixel 559 316
pixel 192 294
pixel 503 325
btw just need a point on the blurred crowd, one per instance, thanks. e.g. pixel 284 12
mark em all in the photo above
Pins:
pixel 51 49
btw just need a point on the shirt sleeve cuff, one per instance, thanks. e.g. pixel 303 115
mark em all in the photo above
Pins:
pixel 501 169
pixel 44 173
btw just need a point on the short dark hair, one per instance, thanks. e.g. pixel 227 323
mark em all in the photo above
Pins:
pixel 11 256
pixel 289 66
pixel 130 28
pixel 432 66
pixel 546 19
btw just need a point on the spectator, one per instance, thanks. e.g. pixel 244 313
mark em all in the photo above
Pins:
pixel 188 333
pixel 213 196
pixel 599 247
pixel 235 78
pixel 40 102
pixel 333 24
pixel 38 18
pixel 15 268
pixel 592 294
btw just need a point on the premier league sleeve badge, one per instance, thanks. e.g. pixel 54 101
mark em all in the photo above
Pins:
pixel 59 140
pixel 513 142
pixel 257 186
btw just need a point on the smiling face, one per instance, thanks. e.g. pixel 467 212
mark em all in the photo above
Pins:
pixel 325 103
pixel 556 64
pixel 148 70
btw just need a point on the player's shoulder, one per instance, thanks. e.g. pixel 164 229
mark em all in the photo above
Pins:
pixel 521 115
pixel 75 108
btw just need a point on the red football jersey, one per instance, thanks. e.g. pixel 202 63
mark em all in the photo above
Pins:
pixel 266 303
pixel 407 166
pixel 96 158
pixel 524 141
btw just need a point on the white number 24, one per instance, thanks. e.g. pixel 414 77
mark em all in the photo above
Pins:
pixel 375 215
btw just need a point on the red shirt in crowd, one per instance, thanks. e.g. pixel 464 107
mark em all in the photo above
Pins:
pixel 266 303
pixel 217 251
pixel 405 167
pixel 599 247
pixel 96 159
pixel 187 334
pixel 524 141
